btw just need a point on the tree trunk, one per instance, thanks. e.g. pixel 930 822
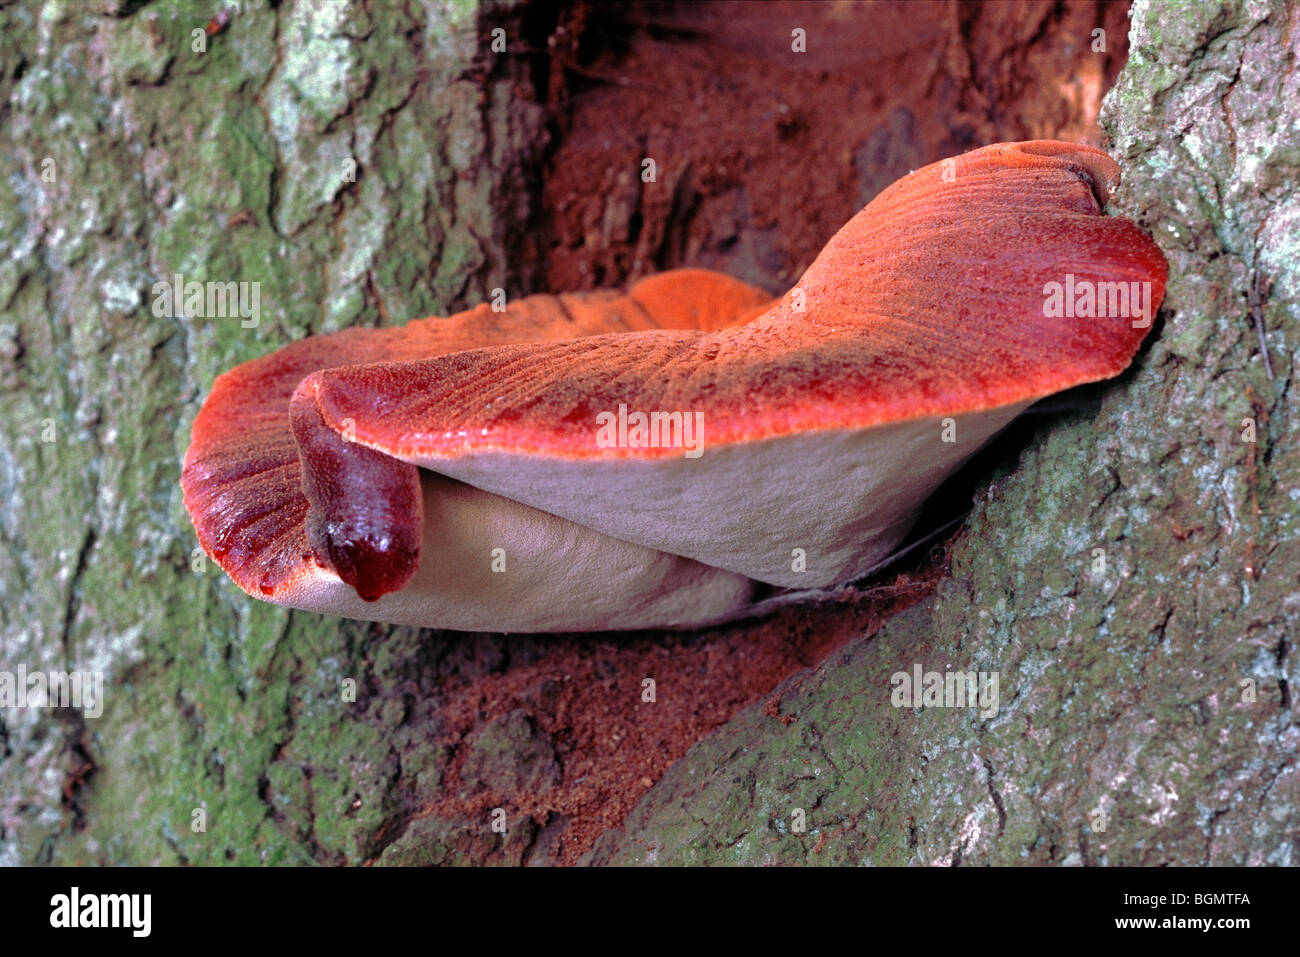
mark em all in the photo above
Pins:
pixel 362 164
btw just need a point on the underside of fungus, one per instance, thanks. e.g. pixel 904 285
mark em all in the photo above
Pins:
pixel 492 470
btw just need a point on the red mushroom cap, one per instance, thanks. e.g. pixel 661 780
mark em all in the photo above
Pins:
pixel 965 291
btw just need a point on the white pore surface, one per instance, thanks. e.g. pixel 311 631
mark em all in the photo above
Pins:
pixel 559 575
pixel 846 498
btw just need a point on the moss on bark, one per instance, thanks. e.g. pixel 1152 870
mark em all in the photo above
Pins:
pixel 354 161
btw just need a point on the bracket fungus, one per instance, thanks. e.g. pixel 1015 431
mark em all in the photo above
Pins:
pixel 645 459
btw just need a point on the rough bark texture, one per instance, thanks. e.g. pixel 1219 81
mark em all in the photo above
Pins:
pixel 131 156
pixel 1147 712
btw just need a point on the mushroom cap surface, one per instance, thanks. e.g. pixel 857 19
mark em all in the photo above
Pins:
pixel 340 472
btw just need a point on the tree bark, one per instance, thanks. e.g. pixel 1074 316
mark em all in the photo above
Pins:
pixel 363 163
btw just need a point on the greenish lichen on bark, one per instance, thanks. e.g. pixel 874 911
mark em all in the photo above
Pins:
pixel 1147 712
pixel 348 158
